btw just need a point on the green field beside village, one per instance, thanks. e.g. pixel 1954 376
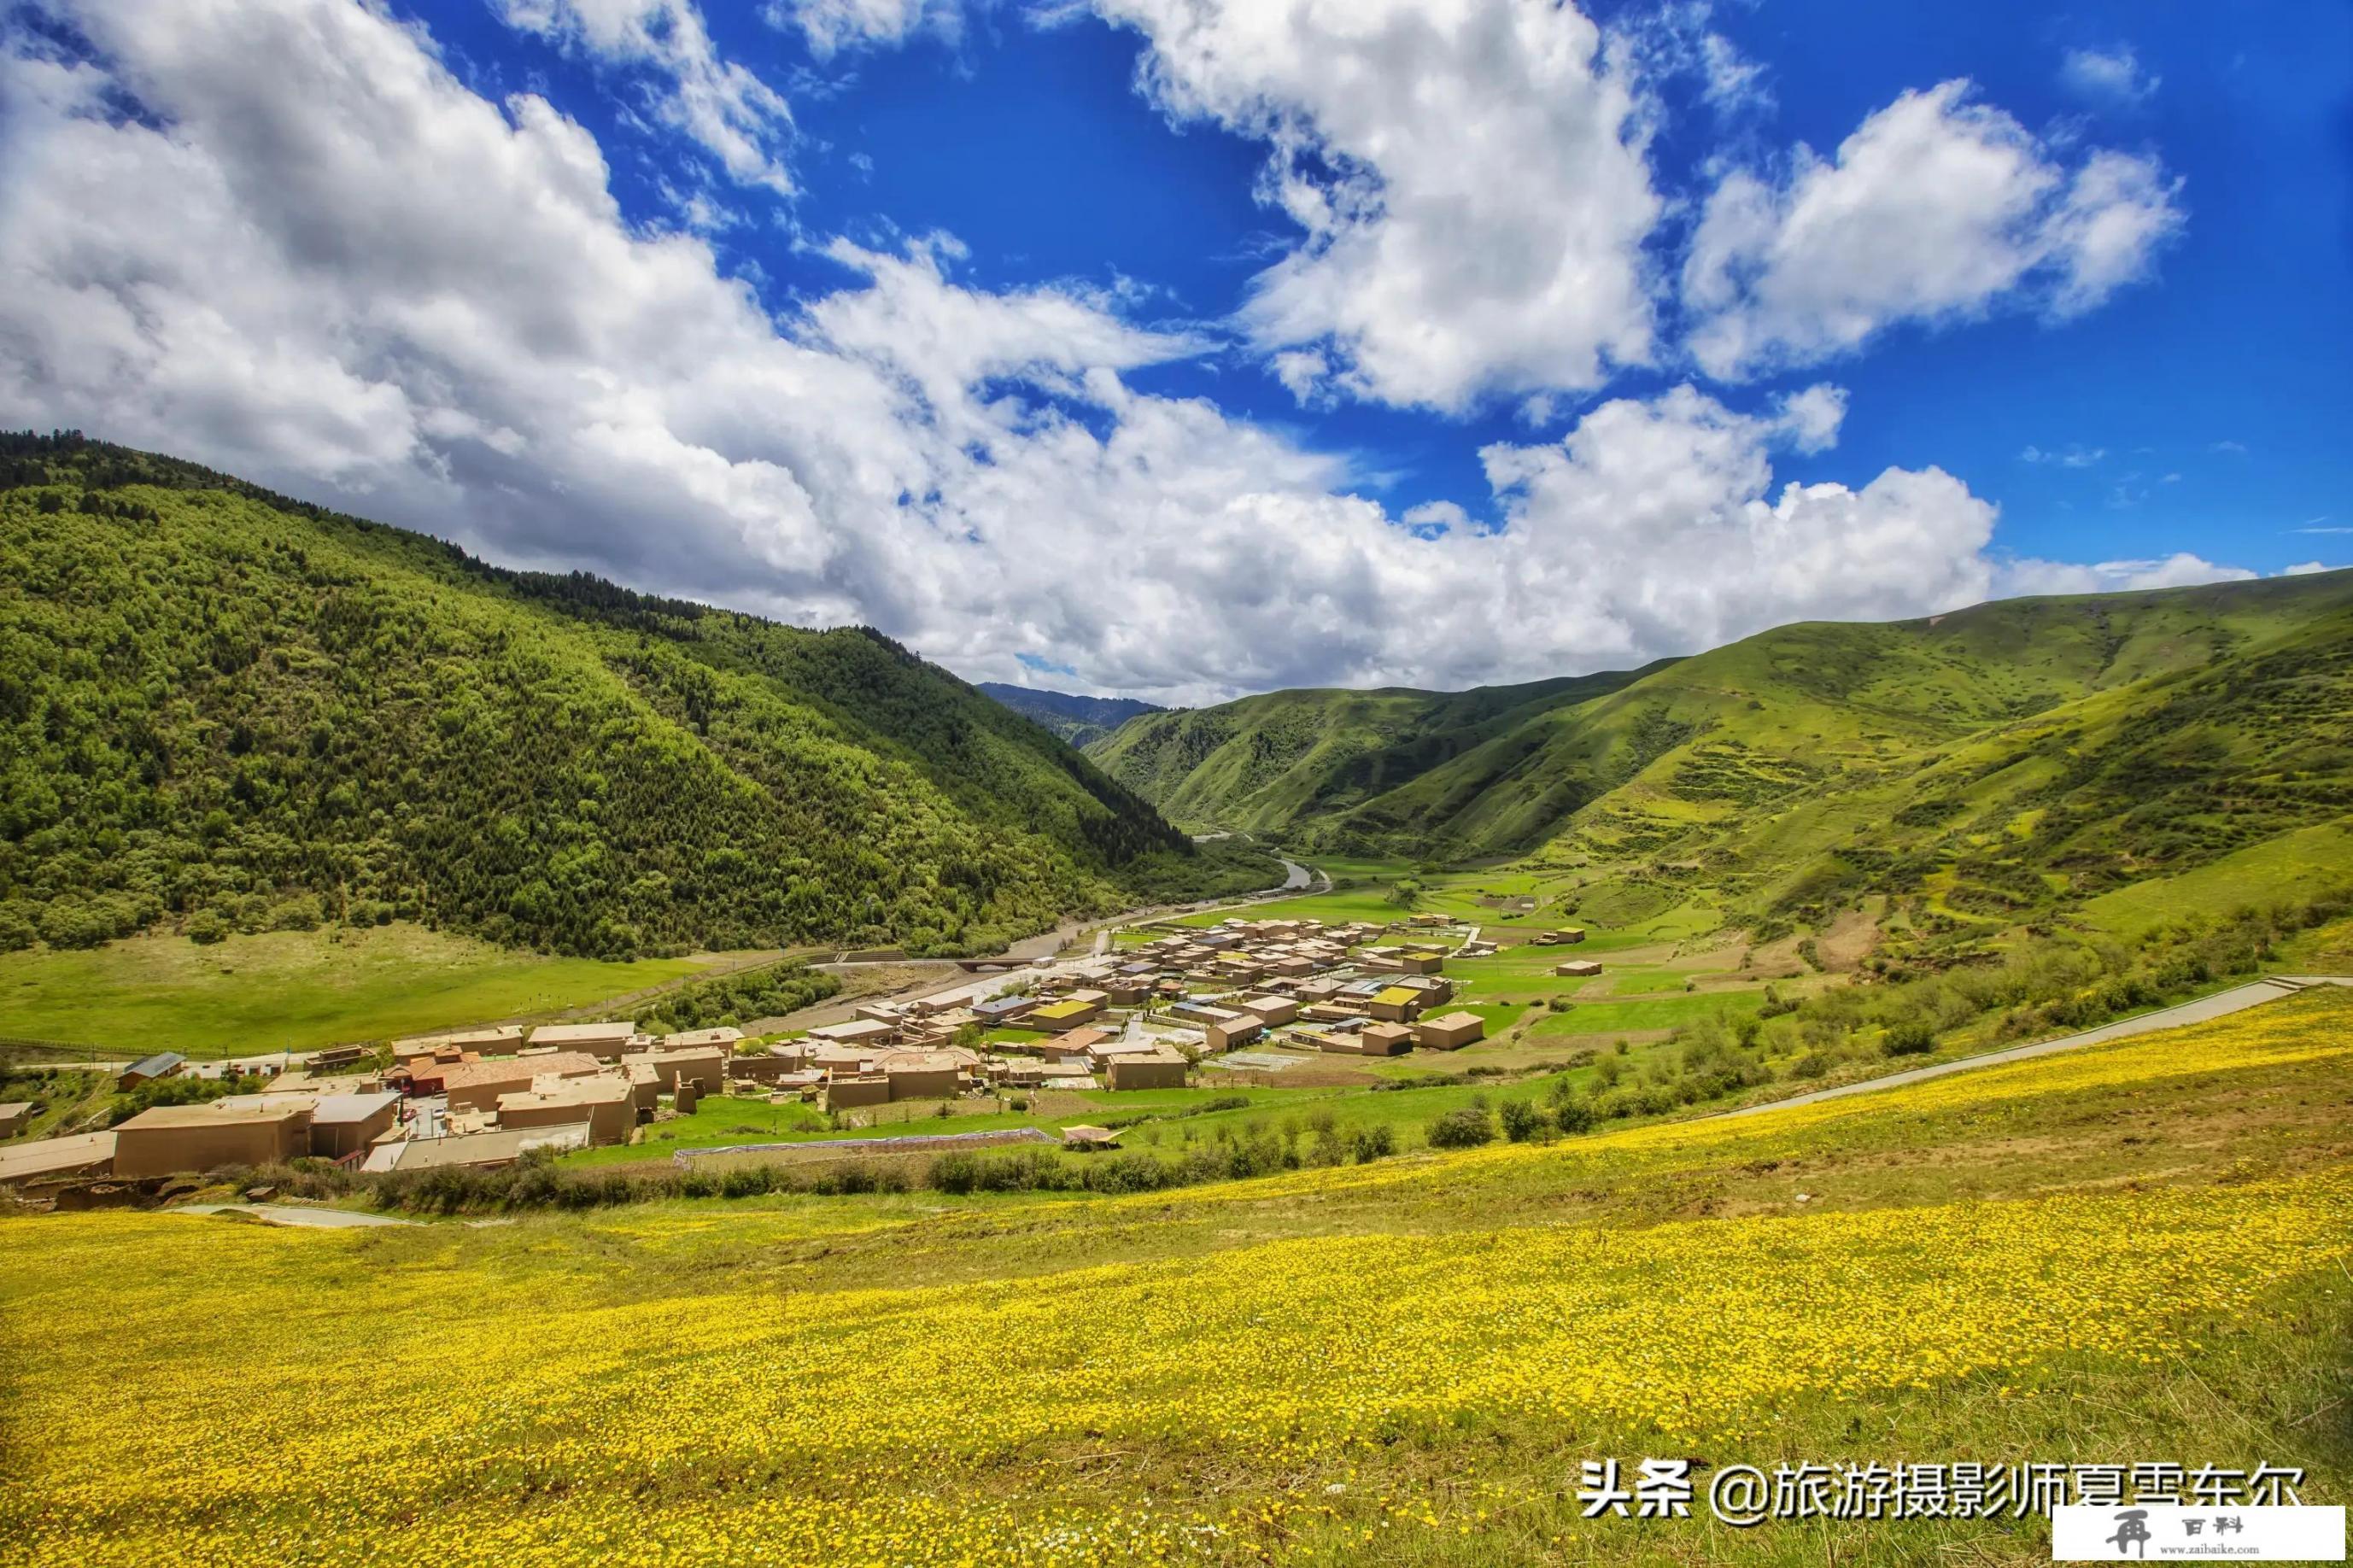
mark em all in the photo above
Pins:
pixel 297 991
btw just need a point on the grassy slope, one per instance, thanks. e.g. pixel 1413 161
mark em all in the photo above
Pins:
pixel 2011 758
pixel 1432 1345
pixel 1282 761
pixel 217 702
pixel 297 990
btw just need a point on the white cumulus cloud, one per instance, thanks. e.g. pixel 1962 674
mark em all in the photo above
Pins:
pixel 318 258
pixel 735 116
pixel 1938 209
pixel 2111 76
pixel 1469 176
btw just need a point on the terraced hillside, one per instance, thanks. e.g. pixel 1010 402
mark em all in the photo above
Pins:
pixel 221 710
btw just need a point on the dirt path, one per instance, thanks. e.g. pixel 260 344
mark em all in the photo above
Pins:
pixel 2221 1005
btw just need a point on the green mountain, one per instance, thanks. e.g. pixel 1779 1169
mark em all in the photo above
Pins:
pixel 1077 720
pixel 1997 762
pixel 225 710
pixel 1299 765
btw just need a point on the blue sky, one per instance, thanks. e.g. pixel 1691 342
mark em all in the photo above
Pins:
pixel 1038 371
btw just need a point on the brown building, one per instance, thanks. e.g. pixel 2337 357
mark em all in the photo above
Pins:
pixel 708 1063
pixel 1153 1069
pixel 1068 1014
pixel 726 1038
pixel 55 1159
pixel 1238 1030
pixel 605 1102
pixel 606 1042
pixel 763 1066
pixel 170 1138
pixel 476 1086
pixel 847 1093
pixel 482 1150
pixel 1385 1039
pixel 504 1040
pixel 921 1075
pixel 14 1117
pixel 1577 968
pixel 1394 1003
pixel 1276 1011
pixel 1451 1032
pixel 343 1125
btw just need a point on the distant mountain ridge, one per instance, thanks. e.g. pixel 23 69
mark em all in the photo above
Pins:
pixel 1299 763
pixel 1076 718
pixel 1998 763
pixel 223 710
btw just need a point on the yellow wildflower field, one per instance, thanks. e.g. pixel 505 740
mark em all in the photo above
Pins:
pixel 180 1391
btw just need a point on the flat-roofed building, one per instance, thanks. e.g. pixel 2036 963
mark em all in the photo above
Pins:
pixel 1156 1069
pixel 170 1139
pixel 1394 1004
pixel 1237 1029
pixel 865 1033
pixel 479 1150
pixel 55 1159
pixel 14 1117
pixel 645 1087
pixel 1276 1011
pixel 763 1066
pixel 606 1041
pixel 726 1038
pixel 605 1102
pixel 708 1063
pixel 921 1075
pixel 1384 1039
pixel 1450 1032
pixel 1577 968
pixel 839 1062
pixel 849 1093
pixel 1066 1014
pixel 476 1086
pixel 503 1040
pixel 341 1125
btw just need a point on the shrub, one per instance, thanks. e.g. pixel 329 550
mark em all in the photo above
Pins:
pixel 1372 1143
pixel 1522 1121
pixel 206 927
pixel 1465 1127
pixel 1909 1040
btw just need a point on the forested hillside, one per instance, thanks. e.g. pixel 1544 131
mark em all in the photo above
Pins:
pixel 223 710
pixel 1077 720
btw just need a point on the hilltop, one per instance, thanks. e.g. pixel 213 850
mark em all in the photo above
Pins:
pixel 225 710
pixel 1077 720
pixel 1991 764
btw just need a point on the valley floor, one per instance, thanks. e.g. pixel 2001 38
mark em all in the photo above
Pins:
pixel 2133 1252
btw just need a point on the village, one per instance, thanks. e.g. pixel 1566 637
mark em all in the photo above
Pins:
pixel 1174 1006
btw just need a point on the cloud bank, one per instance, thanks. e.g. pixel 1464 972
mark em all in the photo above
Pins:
pixel 315 257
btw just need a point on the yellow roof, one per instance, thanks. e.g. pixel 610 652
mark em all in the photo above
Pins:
pixel 1063 1009
pixel 1396 995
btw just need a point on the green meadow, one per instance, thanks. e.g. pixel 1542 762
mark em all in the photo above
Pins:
pixel 297 991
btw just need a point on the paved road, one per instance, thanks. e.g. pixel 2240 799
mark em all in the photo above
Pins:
pixel 316 1219
pixel 2221 1005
